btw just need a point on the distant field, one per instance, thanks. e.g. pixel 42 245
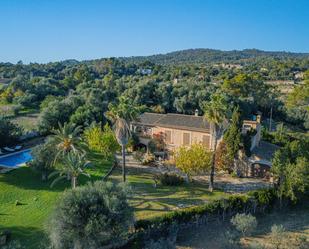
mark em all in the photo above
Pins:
pixel 27 121
pixel 284 86
pixel 27 118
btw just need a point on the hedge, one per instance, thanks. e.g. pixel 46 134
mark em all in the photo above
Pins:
pixel 255 201
pixel 159 227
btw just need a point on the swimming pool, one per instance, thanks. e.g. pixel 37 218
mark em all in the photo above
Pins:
pixel 16 159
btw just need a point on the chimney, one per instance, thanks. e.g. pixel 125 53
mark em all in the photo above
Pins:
pixel 258 117
pixel 196 113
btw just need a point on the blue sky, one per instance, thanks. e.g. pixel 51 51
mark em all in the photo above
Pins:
pixel 52 30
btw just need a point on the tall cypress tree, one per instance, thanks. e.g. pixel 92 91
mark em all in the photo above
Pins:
pixel 232 136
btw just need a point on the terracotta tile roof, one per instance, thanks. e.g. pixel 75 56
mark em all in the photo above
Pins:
pixel 148 118
pixel 176 121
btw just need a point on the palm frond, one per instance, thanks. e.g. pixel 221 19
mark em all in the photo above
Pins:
pixel 59 178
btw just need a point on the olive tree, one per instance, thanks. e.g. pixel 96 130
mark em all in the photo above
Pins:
pixel 92 216
pixel 244 223
pixel 43 158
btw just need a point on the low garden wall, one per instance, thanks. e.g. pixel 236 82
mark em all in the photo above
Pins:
pixel 162 226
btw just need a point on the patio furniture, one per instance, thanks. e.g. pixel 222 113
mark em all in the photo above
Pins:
pixel 8 149
pixel 18 147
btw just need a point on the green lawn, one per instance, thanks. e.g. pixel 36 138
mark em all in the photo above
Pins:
pixel 27 221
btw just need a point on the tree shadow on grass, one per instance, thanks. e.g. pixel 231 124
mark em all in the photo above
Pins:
pixel 29 237
pixel 189 189
pixel 147 198
pixel 163 204
pixel 26 178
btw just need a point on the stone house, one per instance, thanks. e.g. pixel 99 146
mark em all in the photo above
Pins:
pixel 184 130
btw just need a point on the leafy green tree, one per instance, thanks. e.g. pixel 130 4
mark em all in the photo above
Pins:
pixel 103 141
pixel 9 132
pixel 92 216
pixel 48 99
pixel 244 223
pixel 249 88
pixel 193 159
pixel 290 167
pixel 121 114
pixel 26 100
pixel 299 97
pixel 83 116
pixel 57 112
pixel 216 111
pixel 73 165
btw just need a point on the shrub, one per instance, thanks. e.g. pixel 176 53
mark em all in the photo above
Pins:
pixel 5 236
pixel 158 142
pixel 277 236
pixel 133 142
pixel 170 179
pixel 91 217
pixel 166 240
pixel 280 239
pixel 138 154
pixel 264 197
pixel 230 240
pixel 13 245
pixel 9 132
pixel 244 223
pixel 43 158
pixel 147 158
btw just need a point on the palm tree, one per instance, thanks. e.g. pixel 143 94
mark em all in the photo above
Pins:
pixel 74 165
pixel 215 112
pixel 66 139
pixel 121 114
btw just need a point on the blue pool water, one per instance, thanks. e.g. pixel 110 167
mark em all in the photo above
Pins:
pixel 16 159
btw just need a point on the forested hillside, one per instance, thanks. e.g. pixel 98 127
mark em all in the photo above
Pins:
pixel 216 56
pixel 80 92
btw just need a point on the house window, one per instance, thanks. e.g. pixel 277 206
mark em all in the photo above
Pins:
pixel 168 137
pixel 186 138
pixel 206 140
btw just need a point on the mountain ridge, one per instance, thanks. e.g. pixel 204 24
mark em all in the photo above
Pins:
pixel 207 55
